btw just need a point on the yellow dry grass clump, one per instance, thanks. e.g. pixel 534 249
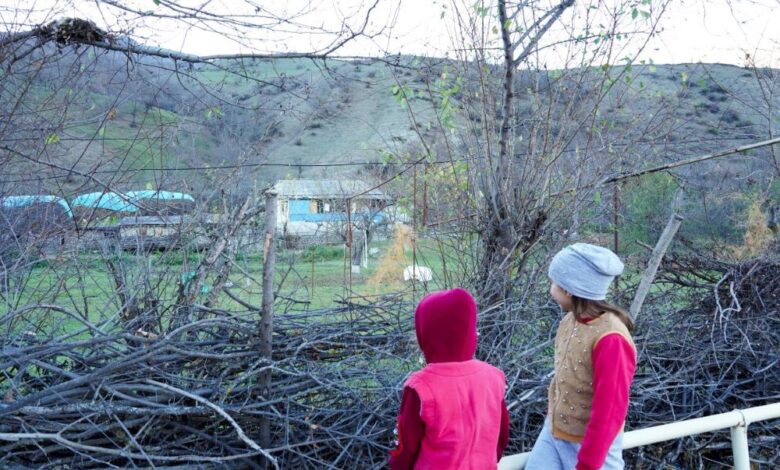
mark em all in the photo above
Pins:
pixel 389 272
pixel 758 235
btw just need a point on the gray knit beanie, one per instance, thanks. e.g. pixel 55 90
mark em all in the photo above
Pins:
pixel 585 270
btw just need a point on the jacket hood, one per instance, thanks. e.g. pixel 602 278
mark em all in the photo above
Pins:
pixel 446 326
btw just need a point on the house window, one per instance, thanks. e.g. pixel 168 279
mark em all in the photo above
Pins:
pixel 316 206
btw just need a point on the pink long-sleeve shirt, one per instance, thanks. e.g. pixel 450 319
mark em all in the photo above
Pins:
pixel 614 364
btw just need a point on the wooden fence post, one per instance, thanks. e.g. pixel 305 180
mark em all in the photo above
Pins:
pixel 655 260
pixel 266 322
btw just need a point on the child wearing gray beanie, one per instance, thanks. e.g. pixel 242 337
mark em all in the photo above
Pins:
pixel 585 270
pixel 595 360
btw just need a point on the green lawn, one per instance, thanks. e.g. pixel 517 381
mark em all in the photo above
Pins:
pixel 305 279
pixel 84 288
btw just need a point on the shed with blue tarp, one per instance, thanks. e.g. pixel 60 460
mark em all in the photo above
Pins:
pixel 99 205
pixel 32 220
pixel 109 201
pixel 151 202
pixel 17 202
pixel 92 208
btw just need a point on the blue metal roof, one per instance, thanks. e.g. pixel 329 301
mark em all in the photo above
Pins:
pixel 22 201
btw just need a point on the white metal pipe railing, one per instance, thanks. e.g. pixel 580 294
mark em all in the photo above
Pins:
pixel 737 420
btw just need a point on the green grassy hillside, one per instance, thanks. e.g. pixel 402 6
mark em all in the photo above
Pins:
pixel 158 124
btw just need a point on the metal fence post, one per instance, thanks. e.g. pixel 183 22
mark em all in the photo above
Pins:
pixel 739 446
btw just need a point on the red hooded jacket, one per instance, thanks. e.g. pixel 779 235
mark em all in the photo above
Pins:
pixel 453 413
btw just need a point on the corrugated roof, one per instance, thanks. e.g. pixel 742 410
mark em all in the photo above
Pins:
pixel 338 189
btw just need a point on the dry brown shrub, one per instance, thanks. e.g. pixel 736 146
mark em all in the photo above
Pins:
pixel 758 235
pixel 389 272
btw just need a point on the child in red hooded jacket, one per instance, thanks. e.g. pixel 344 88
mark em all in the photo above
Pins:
pixel 453 414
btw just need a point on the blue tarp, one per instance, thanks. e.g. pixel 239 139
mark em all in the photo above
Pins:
pixel 109 201
pixel 23 201
pixel 126 202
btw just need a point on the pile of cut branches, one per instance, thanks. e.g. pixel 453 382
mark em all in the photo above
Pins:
pixel 709 344
pixel 99 398
pixel 192 396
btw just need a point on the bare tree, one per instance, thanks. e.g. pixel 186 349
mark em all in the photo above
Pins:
pixel 521 135
pixel 96 109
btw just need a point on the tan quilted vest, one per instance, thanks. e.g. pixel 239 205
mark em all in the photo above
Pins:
pixel 571 390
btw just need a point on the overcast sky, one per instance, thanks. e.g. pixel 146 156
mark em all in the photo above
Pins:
pixel 691 30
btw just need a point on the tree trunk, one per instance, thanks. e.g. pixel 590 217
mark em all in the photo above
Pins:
pixel 505 232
